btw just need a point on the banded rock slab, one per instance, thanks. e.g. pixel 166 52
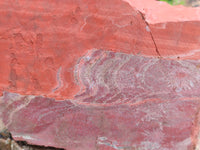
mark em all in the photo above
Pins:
pixel 159 124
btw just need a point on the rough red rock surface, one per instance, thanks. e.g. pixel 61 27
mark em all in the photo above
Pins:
pixel 126 73
pixel 41 41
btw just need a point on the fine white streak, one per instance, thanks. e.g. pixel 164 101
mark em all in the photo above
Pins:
pixel 105 141
pixel 58 77
pixel 25 137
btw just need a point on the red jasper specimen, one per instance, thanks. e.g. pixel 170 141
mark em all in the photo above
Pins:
pixel 100 74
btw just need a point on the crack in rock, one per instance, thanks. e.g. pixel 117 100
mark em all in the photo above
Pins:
pixel 151 34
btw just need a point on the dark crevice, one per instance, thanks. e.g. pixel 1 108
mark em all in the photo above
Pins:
pixel 143 18
pixel 36 147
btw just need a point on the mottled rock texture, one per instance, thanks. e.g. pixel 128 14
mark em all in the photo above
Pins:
pixel 100 74
pixel 151 124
